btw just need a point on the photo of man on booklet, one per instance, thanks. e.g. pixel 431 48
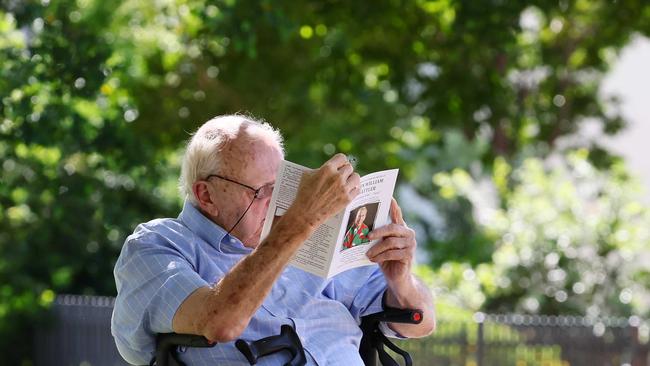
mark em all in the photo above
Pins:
pixel 361 222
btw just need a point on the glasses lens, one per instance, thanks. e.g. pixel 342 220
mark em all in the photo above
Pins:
pixel 265 191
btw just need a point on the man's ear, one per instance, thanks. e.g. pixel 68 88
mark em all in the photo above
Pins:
pixel 202 195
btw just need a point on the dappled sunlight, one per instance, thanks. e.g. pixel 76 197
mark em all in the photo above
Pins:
pixel 505 122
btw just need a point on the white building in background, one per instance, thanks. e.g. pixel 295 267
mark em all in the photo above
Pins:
pixel 629 78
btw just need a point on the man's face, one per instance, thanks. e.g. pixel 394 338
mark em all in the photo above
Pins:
pixel 361 215
pixel 254 164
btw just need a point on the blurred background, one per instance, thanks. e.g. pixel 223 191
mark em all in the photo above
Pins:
pixel 520 130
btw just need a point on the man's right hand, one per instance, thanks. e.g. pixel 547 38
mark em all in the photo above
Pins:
pixel 325 191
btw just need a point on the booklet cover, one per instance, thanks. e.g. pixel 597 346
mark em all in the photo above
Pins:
pixel 341 242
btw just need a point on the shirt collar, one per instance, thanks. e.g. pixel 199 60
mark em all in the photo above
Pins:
pixel 209 231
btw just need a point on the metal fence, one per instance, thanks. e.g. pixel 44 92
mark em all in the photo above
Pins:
pixel 79 334
pixel 524 340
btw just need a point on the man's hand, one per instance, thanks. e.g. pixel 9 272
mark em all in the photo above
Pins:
pixel 395 253
pixel 396 250
pixel 325 191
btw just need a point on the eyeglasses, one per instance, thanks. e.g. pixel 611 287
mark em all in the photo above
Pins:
pixel 262 192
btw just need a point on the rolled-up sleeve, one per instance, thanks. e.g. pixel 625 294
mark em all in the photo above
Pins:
pixel 153 280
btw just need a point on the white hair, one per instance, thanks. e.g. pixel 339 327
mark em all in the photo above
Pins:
pixel 203 153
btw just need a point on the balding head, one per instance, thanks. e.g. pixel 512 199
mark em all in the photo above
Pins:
pixel 217 141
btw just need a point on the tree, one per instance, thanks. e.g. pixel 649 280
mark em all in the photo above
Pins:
pixel 75 178
pixel 568 238
pixel 405 84
pixel 98 96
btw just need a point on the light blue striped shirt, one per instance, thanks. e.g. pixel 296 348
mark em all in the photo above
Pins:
pixel 165 260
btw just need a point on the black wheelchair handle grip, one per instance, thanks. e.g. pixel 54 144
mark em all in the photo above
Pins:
pixel 286 340
pixel 168 340
pixel 394 315
pixel 166 344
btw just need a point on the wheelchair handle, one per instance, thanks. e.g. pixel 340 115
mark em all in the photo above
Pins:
pixel 166 344
pixel 373 341
pixel 394 315
pixel 287 339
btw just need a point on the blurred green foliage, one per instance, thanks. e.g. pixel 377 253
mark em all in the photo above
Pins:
pixel 98 96
pixel 568 239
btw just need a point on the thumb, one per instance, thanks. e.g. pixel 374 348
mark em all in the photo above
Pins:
pixel 396 213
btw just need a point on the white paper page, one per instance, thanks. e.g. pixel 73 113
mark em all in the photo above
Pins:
pixel 374 198
pixel 315 255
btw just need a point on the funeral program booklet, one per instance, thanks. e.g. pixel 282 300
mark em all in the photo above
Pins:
pixel 342 241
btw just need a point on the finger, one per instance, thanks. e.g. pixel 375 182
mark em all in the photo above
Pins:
pixel 337 161
pixel 353 185
pixel 353 181
pixel 345 165
pixel 389 243
pixel 392 255
pixel 396 213
pixel 390 230
pixel 345 171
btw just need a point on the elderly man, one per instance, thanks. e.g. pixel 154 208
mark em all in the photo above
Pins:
pixel 208 273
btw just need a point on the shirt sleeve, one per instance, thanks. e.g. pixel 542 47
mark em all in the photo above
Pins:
pixel 153 279
pixel 358 289
pixel 362 290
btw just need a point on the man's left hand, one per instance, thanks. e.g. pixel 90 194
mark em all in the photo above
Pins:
pixel 396 249
pixel 394 253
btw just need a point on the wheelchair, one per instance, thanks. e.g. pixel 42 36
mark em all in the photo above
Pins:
pixel 371 348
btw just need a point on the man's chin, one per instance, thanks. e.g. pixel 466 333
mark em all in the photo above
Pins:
pixel 254 240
